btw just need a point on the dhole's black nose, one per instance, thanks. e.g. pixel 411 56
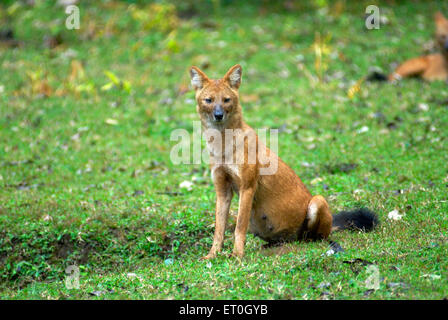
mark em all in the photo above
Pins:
pixel 218 116
pixel 446 45
pixel 218 113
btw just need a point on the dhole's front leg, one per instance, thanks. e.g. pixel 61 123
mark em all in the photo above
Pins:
pixel 224 196
pixel 242 223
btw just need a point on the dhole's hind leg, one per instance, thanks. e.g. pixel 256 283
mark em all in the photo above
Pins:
pixel 412 67
pixel 319 219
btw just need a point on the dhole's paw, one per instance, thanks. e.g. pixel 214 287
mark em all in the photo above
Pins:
pixel 238 254
pixel 208 257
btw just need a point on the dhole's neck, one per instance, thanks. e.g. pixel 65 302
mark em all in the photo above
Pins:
pixel 236 122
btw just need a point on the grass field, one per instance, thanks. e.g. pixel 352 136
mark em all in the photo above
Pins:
pixel 86 177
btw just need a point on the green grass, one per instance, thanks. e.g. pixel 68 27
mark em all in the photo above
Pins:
pixel 86 178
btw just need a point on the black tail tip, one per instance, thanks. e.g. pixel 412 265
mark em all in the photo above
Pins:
pixel 376 76
pixel 357 219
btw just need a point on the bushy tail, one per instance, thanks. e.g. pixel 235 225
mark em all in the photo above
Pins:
pixel 358 219
pixel 377 76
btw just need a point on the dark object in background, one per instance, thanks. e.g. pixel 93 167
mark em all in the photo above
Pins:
pixel 341 167
pixel 7 38
pixel 6 34
pixel 52 42
pixel 336 247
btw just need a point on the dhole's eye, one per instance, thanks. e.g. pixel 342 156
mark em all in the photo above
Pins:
pixel 208 100
pixel 226 100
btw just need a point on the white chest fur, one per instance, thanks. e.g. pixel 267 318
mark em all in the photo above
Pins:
pixel 226 154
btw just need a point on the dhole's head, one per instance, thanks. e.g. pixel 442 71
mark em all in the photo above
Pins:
pixel 217 100
pixel 442 31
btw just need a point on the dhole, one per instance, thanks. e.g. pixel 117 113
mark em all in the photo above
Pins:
pixel 430 67
pixel 276 207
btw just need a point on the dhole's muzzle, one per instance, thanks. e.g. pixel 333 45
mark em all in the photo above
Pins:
pixel 218 113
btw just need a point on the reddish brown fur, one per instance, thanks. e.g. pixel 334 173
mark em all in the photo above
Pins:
pixel 274 207
pixel 431 67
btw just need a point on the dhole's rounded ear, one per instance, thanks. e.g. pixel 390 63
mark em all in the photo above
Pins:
pixel 198 78
pixel 439 17
pixel 233 76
